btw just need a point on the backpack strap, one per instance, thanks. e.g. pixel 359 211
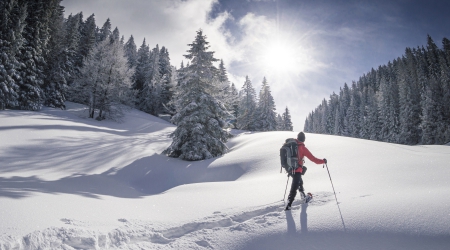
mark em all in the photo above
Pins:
pixel 302 160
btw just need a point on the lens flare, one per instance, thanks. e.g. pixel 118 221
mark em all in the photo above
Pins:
pixel 279 56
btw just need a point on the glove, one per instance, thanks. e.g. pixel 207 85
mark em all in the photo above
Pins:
pixel 325 160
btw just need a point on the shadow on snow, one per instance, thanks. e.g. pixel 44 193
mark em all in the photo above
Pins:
pixel 304 239
pixel 147 176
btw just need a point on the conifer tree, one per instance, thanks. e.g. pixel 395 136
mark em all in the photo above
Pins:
pixel 166 82
pixel 234 101
pixel 57 67
pixel 409 100
pixel 74 59
pixel 87 38
pixel 333 106
pixel 265 115
pixel 152 90
pixel 223 89
pixel 105 32
pixel 280 124
pixel 337 122
pixel 115 36
pixel 131 52
pixel 247 107
pixel 200 118
pixel 31 96
pixel 353 116
pixel 287 123
pixel 363 114
pixel 324 121
pixel 11 41
pixel 141 76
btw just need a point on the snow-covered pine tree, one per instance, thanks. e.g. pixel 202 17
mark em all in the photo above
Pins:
pixel 287 120
pixel 266 115
pixel 395 111
pixel 433 126
pixel 280 124
pixel 223 91
pixel 363 110
pixel 200 117
pixel 115 36
pixel 234 101
pixel 131 52
pixel 222 73
pixel 317 119
pixel 332 106
pixel 353 115
pixel 72 49
pixel 307 125
pixel 324 113
pixel 31 96
pixel 337 130
pixel 11 27
pixel 141 76
pixel 443 132
pixel 384 106
pixel 339 126
pixel 87 38
pixel 180 77
pixel 73 52
pixel 57 70
pixel 247 107
pixel 445 80
pixel 153 88
pixel 166 82
pixel 373 120
pixel 105 32
pixel 409 100
pixel 344 102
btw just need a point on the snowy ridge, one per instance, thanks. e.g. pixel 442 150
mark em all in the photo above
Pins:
pixel 67 182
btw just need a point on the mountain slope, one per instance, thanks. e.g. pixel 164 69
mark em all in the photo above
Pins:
pixel 69 182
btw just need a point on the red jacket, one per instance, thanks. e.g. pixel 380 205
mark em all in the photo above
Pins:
pixel 302 152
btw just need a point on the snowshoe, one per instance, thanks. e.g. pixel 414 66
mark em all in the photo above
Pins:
pixel 308 197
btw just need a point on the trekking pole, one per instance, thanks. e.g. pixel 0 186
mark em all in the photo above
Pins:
pixel 336 198
pixel 285 189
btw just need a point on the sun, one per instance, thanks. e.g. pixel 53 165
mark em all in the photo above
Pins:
pixel 283 55
pixel 279 56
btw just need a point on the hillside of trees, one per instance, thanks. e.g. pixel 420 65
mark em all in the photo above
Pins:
pixel 47 58
pixel 406 101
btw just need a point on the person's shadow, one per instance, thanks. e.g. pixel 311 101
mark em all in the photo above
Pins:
pixel 291 230
pixel 304 219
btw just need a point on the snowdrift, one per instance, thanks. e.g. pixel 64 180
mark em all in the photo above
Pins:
pixel 68 182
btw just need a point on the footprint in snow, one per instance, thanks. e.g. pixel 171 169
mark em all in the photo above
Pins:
pixel 203 243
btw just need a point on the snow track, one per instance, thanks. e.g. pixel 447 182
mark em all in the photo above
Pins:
pixel 138 233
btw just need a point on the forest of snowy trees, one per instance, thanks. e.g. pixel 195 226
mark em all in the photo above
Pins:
pixel 406 101
pixel 46 59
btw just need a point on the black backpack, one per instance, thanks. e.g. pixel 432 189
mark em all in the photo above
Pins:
pixel 289 157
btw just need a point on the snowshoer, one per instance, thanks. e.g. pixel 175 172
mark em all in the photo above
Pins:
pixel 297 182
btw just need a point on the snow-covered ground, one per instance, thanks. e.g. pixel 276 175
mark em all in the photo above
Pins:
pixel 68 182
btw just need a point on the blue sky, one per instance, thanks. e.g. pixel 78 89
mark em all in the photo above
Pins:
pixel 306 48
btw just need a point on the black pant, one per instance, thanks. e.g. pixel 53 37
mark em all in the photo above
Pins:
pixel 297 183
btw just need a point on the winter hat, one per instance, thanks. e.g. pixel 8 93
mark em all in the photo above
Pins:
pixel 301 137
